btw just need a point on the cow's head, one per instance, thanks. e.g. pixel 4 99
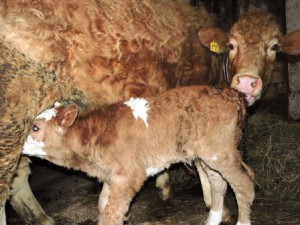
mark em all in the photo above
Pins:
pixel 251 45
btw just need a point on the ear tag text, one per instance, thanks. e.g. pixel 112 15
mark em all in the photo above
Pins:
pixel 214 47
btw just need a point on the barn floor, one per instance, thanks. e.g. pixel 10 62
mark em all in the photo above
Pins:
pixel 71 198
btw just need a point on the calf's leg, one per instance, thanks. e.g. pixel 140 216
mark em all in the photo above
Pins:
pixel 103 199
pixel 115 200
pixel 240 178
pixel 206 189
pixel 204 184
pixel 163 185
pixel 218 188
pixel 22 198
pixel 243 187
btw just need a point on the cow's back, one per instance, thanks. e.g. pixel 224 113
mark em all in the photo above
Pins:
pixel 115 49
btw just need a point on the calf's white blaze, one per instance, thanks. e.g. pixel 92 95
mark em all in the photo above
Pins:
pixel 33 148
pixel 214 218
pixel 139 107
pixel 48 114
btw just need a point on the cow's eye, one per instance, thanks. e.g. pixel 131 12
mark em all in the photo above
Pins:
pixel 230 46
pixel 274 47
pixel 35 128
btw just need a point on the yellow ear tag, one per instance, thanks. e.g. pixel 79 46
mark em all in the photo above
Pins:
pixel 214 47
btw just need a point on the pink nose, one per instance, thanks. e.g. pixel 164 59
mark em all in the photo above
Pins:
pixel 249 85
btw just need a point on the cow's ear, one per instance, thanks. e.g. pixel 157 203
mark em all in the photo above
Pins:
pixel 213 38
pixel 67 116
pixel 291 43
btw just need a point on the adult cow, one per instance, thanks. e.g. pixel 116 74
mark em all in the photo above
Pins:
pixel 109 50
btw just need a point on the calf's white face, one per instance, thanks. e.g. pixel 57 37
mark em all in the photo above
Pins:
pixel 47 131
pixel 34 145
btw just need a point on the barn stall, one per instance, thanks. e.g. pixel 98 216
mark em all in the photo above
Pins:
pixel 271 148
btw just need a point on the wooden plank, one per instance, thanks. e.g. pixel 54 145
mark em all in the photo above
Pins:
pixel 292 23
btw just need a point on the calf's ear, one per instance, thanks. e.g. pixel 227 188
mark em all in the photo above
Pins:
pixel 213 38
pixel 68 116
pixel 291 43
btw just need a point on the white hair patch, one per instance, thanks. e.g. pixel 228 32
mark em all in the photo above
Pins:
pixel 214 157
pixel 239 223
pixel 214 217
pixel 48 114
pixel 139 107
pixel 57 104
pixel 150 171
pixel 33 148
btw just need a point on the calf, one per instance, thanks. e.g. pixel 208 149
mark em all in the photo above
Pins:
pixel 125 143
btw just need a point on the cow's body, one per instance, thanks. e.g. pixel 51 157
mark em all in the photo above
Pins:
pixel 89 69
pixel 106 51
pixel 124 143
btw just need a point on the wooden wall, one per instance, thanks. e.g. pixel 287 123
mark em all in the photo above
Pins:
pixel 292 23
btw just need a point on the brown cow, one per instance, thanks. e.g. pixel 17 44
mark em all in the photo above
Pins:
pixel 145 48
pixel 109 50
pixel 124 143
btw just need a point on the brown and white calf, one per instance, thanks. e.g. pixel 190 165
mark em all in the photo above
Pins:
pixel 125 143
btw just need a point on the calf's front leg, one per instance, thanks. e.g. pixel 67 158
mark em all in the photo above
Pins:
pixel 115 199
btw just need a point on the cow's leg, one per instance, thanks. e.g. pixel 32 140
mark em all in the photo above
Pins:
pixel 115 199
pixel 163 185
pixel 226 215
pixel 240 178
pixel 22 198
pixel 2 215
pixel 4 193
pixel 204 184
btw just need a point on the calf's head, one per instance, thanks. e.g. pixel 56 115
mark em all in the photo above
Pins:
pixel 47 132
pixel 251 45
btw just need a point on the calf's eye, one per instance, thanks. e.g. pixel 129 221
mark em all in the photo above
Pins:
pixel 274 47
pixel 35 128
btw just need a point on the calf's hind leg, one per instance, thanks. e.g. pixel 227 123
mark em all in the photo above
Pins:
pixel 218 188
pixel 240 178
pixel 206 189
pixel 163 185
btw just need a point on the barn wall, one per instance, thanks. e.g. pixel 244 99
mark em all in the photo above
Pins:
pixel 292 23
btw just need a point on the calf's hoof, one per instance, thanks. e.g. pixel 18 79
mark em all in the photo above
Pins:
pixel 229 220
pixel 48 221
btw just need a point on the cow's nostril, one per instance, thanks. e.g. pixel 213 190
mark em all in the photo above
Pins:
pixel 253 84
